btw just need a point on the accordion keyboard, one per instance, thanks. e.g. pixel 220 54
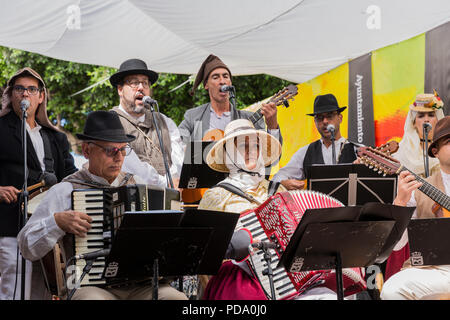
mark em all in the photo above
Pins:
pixel 91 202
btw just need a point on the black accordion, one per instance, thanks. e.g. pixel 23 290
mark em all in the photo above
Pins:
pixel 106 207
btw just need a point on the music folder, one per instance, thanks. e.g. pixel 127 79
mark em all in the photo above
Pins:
pixel 352 184
pixel 195 173
pixel 344 237
pixel 182 242
pixel 427 242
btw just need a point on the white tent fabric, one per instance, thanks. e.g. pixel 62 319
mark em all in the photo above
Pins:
pixel 292 39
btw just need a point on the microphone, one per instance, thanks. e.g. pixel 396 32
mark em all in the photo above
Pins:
pixel 93 255
pixel 226 88
pixel 148 101
pixel 49 179
pixel 330 128
pixel 24 104
pixel 264 245
pixel 427 126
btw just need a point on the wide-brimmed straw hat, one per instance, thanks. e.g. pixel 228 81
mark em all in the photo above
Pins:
pixel 427 102
pixel 441 130
pixel 269 145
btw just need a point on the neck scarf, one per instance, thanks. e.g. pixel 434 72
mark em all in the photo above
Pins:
pixel 240 176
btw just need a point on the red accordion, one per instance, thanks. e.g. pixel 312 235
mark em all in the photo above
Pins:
pixel 276 220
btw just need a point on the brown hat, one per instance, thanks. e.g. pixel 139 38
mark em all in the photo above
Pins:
pixel 441 130
pixel 212 62
pixel 41 112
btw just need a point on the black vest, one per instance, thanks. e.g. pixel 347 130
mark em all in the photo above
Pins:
pixel 314 155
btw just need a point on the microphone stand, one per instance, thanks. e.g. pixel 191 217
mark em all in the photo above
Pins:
pixel 25 193
pixel 161 145
pixel 268 271
pixel 86 269
pixel 232 93
pixel 425 151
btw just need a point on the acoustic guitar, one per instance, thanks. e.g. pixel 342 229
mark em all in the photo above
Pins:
pixel 280 99
pixel 385 164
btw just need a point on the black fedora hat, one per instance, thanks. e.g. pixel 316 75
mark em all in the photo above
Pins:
pixel 104 126
pixel 326 103
pixel 132 66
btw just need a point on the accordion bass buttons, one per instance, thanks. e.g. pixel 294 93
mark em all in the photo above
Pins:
pixel 274 239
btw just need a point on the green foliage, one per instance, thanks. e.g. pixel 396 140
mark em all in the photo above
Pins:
pixel 64 78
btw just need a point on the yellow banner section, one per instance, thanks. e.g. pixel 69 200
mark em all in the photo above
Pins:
pixel 297 128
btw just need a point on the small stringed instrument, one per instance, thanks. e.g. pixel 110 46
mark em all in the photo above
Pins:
pixel 388 148
pixel 280 98
pixel 385 164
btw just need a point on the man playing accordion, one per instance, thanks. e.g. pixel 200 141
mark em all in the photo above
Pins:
pixel 105 145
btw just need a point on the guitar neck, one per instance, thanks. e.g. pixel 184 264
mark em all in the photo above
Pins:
pixel 431 191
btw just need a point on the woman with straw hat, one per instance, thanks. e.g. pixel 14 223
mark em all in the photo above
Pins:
pixel 243 152
pixel 427 108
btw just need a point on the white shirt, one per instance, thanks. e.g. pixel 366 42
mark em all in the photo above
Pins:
pixel 38 143
pixel 41 232
pixel 134 165
pixel 294 168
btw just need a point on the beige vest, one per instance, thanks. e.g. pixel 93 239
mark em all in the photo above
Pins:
pixel 146 144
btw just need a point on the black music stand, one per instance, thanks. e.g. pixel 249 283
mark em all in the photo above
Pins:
pixel 344 237
pixel 169 243
pixel 195 173
pixel 352 184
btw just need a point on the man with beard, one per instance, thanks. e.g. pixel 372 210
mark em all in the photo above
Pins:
pixel 326 112
pixel 133 82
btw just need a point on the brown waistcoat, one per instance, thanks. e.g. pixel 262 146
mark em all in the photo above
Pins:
pixel 148 150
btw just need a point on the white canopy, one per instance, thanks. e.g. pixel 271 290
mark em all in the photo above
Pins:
pixel 292 39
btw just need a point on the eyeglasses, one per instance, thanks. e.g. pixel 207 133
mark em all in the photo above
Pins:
pixel 112 151
pixel 135 83
pixel 328 116
pixel 31 90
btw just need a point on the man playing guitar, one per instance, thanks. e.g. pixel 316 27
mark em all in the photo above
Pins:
pixel 216 114
pixel 418 282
